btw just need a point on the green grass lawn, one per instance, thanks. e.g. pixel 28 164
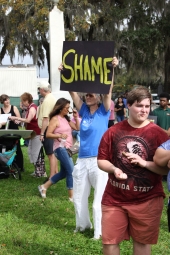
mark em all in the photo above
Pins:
pixel 30 225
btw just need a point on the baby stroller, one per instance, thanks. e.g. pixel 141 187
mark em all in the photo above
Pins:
pixel 8 147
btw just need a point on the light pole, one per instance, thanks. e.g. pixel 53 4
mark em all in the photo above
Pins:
pixel 56 36
pixel 55 2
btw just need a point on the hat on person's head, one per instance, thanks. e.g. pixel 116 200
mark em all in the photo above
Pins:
pixel 44 85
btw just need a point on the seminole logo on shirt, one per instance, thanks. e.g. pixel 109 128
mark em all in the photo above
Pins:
pixel 137 176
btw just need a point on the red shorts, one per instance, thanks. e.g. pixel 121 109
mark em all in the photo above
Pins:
pixel 140 221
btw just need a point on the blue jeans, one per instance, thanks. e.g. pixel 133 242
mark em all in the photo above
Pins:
pixel 120 118
pixel 76 134
pixel 66 167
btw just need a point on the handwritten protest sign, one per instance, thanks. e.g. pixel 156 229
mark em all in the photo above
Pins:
pixel 87 66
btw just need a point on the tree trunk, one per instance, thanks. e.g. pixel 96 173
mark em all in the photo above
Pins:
pixel 167 70
pixel 3 51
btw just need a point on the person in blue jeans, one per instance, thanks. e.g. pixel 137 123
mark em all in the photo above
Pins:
pixel 120 109
pixel 60 129
pixel 66 167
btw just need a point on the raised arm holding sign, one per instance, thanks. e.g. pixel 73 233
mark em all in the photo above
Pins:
pixel 106 98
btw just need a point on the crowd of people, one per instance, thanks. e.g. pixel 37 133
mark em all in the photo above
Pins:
pixel 123 162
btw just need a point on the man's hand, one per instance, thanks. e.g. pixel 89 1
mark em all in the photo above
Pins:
pixel 135 159
pixel 119 174
pixel 41 138
pixel 60 68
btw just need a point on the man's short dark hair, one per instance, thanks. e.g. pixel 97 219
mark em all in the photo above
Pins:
pixel 164 95
pixel 138 94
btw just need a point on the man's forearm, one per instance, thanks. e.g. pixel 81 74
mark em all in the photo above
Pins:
pixel 106 166
pixel 151 166
pixel 45 122
pixel 161 157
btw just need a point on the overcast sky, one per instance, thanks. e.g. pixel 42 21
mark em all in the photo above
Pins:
pixel 42 73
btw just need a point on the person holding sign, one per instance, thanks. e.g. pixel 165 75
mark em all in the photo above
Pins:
pixel 86 172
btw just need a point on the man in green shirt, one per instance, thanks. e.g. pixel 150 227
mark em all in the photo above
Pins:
pixel 163 113
pixel 163 116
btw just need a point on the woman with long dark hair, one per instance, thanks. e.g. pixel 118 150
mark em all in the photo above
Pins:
pixel 60 129
pixel 120 109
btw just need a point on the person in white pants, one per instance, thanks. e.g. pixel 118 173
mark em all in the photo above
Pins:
pixel 86 173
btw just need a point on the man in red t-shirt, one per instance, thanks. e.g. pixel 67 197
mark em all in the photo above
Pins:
pixel 133 199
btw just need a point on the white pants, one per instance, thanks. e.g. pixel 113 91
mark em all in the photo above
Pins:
pixel 34 148
pixel 86 174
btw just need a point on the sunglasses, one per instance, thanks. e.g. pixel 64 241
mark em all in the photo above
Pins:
pixel 89 95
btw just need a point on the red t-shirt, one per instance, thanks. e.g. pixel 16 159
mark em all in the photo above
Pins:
pixel 141 183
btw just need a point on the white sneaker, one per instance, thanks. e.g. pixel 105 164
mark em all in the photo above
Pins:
pixel 82 230
pixel 41 189
pixel 76 231
pixel 44 175
pixel 70 199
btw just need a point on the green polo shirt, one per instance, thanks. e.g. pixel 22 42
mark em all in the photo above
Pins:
pixel 163 117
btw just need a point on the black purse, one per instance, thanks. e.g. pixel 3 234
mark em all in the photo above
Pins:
pixel 40 164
